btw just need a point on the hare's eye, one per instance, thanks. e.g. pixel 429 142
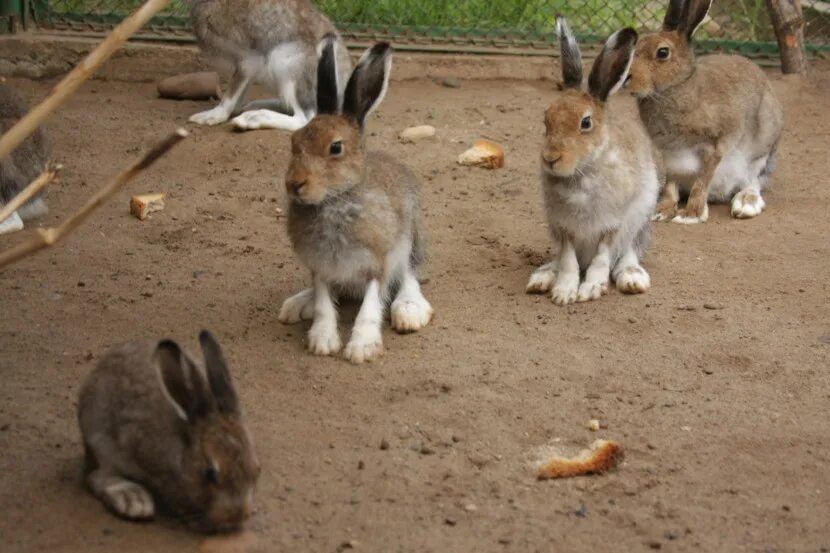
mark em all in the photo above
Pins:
pixel 663 53
pixel 587 123
pixel 212 476
pixel 336 148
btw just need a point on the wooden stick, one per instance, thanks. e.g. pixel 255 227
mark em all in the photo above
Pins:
pixel 50 236
pixel 27 193
pixel 83 71
pixel 788 23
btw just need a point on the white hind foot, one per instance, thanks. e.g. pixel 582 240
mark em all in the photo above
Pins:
pixel 410 311
pixel 633 280
pixel 216 116
pixel 267 119
pixel 297 308
pixel 685 218
pixel 542 279
pixel 747 204
pixel 124 497
pixel 12 224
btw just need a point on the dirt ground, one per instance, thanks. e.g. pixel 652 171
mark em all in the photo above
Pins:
pixel 716 381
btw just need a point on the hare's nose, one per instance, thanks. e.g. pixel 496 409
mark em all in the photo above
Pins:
pixel 551 159
pixel 295 186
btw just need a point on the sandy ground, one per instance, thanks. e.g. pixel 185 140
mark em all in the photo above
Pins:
pixel 716 381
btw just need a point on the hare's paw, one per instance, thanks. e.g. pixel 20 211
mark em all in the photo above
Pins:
pixel 689 216
pixel 591 290
pixel 215 116
pixel 411 315
pixel 267 119
pixel 665 213
pixel 633 280
pixel 542 279
pixel 365 345
pixel 323 339
pixel 747 204
pixel 129 500
pixel 299 307
pixel 565 289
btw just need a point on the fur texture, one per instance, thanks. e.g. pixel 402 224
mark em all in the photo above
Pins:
pixel 27 161
pixel 717 120
pixel 599 182
pixel 159 427
pixel 354 218
pixel 270 42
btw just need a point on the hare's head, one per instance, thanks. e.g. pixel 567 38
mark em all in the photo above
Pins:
pixel 575 123
pixel 327 154
pixel 667 58
pixel 219 470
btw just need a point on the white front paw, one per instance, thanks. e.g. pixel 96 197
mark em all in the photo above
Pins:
pixel 633 280
pixel 565 290
pixel 299 307
pixel 323 339
pixel 591 290
pixel 541 280
pixel 747 204
pixel 685 217
pixel 366 344
pixel 130 500
pixel 215 116
pixel 411 316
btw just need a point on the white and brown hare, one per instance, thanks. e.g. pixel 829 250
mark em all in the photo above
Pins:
pixel 716 120
pixel 162 432
pixel 599 179
pixel 270 42
pixel 354 216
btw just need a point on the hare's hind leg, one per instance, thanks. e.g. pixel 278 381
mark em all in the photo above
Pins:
pixel 749 203
pixel 542 279
pixel 630 276
pixel 231 101
pixel 122 496
pixel 267 119
pixel 299 307
pixel 410 311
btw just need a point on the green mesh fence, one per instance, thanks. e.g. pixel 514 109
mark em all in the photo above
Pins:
pixel 474 25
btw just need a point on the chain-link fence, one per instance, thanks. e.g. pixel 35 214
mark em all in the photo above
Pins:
pixel 475 25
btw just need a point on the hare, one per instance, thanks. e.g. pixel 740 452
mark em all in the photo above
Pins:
pixel 354 215
pixel 156 425
pixel 271 42
pixel 716 120
pixel 599 179
pixel 23 165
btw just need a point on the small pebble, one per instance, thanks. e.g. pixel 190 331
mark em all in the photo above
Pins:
pixel 712 306
pixel 451 82
pixel 450 521
pixel 384 445
pixel 414 134
pixel 593 425
pixel 470 507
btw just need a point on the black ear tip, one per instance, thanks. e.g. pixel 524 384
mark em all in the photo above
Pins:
pixel 167 344
pixel 381 48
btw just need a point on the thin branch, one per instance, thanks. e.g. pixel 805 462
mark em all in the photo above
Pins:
pixel 45 178
pixel 50 236
pixel 83 71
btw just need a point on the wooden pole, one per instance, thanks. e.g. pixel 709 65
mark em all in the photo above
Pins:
pixel 49 236
pixel 788 23
pixel 83 71
pixel 27 193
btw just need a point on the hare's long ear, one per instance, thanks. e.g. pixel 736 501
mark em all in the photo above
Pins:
pixel 328 100
pixel 181 382
pixel 674 15
pixel 611 66
pixel 369 82
pixel 571 57
pixel 693 15
pixel 219 377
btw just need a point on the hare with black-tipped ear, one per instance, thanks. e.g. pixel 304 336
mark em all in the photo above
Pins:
pixel 599 179
pixel 24 164
pixel 161 429
pixel 354 216
pixel 270 42
pixel 716 119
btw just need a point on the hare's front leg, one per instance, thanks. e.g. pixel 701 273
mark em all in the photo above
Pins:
pixel 410 311
pixel 697 206
pixel 567 279
pixel 299 307
pixel 366 342
pixel 231 101
pixel 667 204
pixel 323 338
pixel 598 273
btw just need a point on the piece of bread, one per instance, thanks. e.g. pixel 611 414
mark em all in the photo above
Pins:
pixel 190 86
pixel 603 456
pixel 143 205
pixel 484 153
